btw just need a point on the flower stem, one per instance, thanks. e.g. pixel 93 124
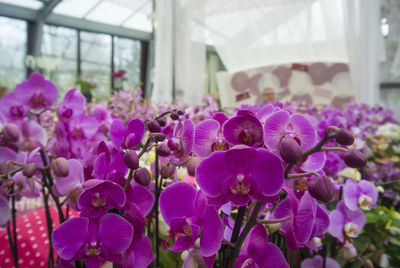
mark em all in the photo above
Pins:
pixel 157 193
pixel 130 176
pixel 246 230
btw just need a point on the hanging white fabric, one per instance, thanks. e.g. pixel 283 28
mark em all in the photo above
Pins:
pixel 162 90
pixel 365 47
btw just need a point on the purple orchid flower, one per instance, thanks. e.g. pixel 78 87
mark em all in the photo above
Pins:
pixel 129 136
pixel 12 108
pixel 185 210
pixel 182 141
pixel 94 240
pixel 240 174
pixel 318 261
pixel 33 135
pixel 244 128
pixel 345 222
pixel 72 105
pixel 194 258
pixel 98 196
pixel 308 220
pixel 108 163
pixel 281 124
pixel 36 92
pixel 258 252
pixel 362 194
pixel 208 138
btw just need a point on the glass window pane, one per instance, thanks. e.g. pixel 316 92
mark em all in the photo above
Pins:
pixel 127 57
pixel 96 62
pixel 58 48
pixel 24 3
pixel 12 51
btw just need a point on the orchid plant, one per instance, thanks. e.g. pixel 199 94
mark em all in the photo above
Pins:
pixel 175 186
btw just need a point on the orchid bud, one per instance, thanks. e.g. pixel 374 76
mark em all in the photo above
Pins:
pixel 347 251
pixel 142 176
pixel 180 112
pixel 29 170
pixel 162 122
pixel 354 158
pixel 192 165
pixel 368 264
pixel 173 144
pixel 174 116
pixel 159 137
pixel 131 160
pixel 344 137
pixel 321 188
pixel 154 126
pixel 290 151
pixel 60 167
pixel 10 132
pixel 166 172
pixel 163 150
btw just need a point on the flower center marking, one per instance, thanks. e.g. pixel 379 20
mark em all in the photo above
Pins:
pixel 351 229
pixel 365 202
pixel 98 201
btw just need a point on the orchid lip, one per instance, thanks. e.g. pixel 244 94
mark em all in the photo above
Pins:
pixel 351 229
pixel 365 202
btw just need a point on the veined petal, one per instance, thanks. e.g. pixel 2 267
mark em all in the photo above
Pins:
pixel 117 132
pixel 351 193
pixel 212 234
pixel 137 127
pixel 314 162
pixel 272 258
pixel 211 174
pixel 268 172
pixel 188 136
pixel 274 128
pixel 304 131
pixel 369 189
pixel 69 237
pixel 115 233
pixel 305 218
pixel 177 200
pixel 205 135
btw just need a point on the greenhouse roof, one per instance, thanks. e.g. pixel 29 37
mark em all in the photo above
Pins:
pixel 126 14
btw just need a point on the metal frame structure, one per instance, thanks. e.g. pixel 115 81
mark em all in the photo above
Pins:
pixel 37 18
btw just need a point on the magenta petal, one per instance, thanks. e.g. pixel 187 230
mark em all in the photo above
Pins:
pixel 241 159
pixel 274 128
pixel 220 117
pixel 117 132
pixel 211 174
pixel 268 172
pixel 143 198
pixel 351 193
pixel 305 218
pixel 115 233
pixel 290 239
pixel 322 221
pixel 336 224
pixel 282 210
pixel 314 162
pixel 243 129
pixel 205 135
pixel 212 234
pixel 272 258
pixel 369 189
pixel 101 165
pixel 7 154
pixel 257 242
pixel 304 131
pixel 143 253
pixel 137 127
pixel 92 262
pixel 177 200
pixel 188 136
pixel 32 130
pixel 69 237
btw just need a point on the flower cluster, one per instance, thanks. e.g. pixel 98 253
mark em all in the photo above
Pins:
pixel 222 188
